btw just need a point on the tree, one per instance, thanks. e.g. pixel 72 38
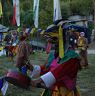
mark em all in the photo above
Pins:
pixel 65 10
pixel 26 13
pixel 45 13
pixel 94 17
pixel 68 8
pixel 7 12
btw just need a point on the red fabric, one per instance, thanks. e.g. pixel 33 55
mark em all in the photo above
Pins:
pixel 22 38
pixel 66 74
pixel 69 68
pixel 43 69
pixel 10 48
pixel 48 47
pixel 14 15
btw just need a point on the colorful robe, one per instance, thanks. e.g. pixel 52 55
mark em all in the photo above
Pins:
pixel 61 77
pixel 82 46
pixel 23 53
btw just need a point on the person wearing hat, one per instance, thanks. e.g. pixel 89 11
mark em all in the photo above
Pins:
pixel 60 78
pixel 82 46
pixel 23 52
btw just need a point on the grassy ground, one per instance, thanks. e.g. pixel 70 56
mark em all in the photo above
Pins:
pixel 6 64
pixel 85 80
pixel 92 45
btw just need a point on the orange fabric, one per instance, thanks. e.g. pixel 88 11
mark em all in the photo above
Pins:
pixel 62 91
pixel 23 53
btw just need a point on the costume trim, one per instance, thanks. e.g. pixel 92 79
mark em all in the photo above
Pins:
pixel 36 71
pixel 48 79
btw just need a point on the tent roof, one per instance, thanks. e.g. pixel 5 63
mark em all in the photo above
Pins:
pixel 76 27
pixel 3 28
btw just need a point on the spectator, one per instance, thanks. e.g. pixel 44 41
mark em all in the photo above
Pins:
pixel 82 46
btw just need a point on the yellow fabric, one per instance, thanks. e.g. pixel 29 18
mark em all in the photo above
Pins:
pixel 61 44
pixel 56 92
pixel 33 30
pixel 42 92
pixel 62 91
pixel 5 33
pixel 0 9
pixel 53 34
pixel 1 93
pixel 81 43
pixel 1 48
pixel 18 29
pixel 78 91
pixel 42 32
pixel 15 50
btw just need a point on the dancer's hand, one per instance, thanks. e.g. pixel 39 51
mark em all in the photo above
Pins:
pixel 37 83
pixel 30 67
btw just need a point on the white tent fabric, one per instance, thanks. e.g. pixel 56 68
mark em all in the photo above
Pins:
pixel 3 28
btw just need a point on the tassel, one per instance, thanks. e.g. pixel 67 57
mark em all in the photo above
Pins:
pixel 61 43
pixel 1 9
pixel 32 31
pixel 48 47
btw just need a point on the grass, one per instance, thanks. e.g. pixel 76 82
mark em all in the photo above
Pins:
pixel 86 77
pixel 6 64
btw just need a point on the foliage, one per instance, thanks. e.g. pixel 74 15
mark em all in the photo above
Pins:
pixel 81 7
pixel 45 13
pixel 28 19
pixel 65 10
pixel 68 8
pixel 7 12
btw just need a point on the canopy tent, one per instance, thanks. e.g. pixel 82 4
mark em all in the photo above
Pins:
pixel 68 25
pixel 76 27
pixel 70 21
pixel 54 28
pixel 3 28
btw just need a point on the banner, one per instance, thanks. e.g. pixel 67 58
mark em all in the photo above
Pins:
pixel 36 12
pixel 4 88
pixel 1 9
pixel 1 82
pixel 57 11
pixel 16 13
